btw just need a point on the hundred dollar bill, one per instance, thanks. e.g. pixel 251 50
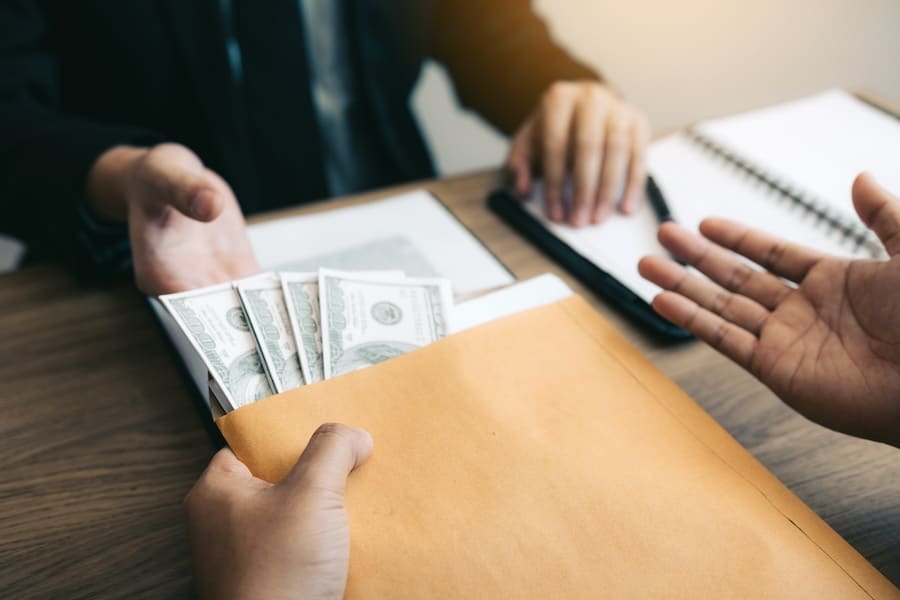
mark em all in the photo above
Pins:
pixel 301 295
pixel 265 307
pixel 215 323
pixel 367 320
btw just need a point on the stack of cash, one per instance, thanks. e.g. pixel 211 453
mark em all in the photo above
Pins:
pixel 277 331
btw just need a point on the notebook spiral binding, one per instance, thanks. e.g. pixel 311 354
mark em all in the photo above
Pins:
pixel 852 233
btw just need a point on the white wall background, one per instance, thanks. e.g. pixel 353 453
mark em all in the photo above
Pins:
pixel 686 60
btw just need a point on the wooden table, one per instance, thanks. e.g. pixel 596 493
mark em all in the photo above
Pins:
pixel 101 437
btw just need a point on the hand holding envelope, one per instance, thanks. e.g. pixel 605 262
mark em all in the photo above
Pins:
pixel 289 540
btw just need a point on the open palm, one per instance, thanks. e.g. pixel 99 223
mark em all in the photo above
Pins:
pixel 185 225
pixel 827 340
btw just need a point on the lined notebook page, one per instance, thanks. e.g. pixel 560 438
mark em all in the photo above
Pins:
pixel 818 144
pixel 698 183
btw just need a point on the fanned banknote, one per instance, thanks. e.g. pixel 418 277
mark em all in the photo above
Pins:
pixel 264 304
pixel 215 323
pixel 277 331
pixel 366 320
pixel 301 297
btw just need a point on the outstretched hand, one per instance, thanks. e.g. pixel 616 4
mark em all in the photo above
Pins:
pixel 822 332
pixel 185 225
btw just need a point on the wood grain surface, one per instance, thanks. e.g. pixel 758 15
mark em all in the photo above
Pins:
pixel 101 436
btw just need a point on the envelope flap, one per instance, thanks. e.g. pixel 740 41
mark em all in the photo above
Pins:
pixel 540 456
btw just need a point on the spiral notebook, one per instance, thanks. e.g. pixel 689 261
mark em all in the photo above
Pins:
pixel 787 169
pixel 793 164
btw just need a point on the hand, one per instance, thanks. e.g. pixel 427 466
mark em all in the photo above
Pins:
pixel 252 539
pixel 583 127
pixel 185 225
pixel 829 347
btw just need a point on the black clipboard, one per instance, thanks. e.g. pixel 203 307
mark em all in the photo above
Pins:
pixel 511 210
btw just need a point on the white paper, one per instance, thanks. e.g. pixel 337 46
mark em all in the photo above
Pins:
pixel 699 184
pixel 533 293
pixel 819 144
pixel 413 233
pixel 615 246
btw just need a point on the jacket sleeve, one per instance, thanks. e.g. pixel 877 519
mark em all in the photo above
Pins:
pixel 45 154
pixel 501 57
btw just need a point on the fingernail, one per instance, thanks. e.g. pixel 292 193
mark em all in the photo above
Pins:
pixel 201 206
pixel 584 220
pixel 556 214
pixel 524 190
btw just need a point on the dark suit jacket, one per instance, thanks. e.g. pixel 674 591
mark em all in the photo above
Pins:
pixel 77 78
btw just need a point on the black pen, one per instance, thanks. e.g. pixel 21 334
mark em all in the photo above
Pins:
pixel 661 208
pixel 658 201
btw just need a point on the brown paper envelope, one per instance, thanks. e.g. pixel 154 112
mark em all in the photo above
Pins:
pixel 542 456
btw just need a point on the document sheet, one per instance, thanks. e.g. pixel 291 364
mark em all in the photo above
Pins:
pixel 413 233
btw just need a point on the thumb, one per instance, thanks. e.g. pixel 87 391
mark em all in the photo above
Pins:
pixel 176 177
pixel 879 210
pixel 333 451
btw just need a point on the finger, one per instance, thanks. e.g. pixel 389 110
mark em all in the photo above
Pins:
pixel 518 164
pixel 333 451
pixel 722 266
pixel 590 119
pixel 729 339
pixel 180 180
pixel 556 124
pixel 225 464
pixel 616 153
pixel 224 474
pixel 637 170
pixel 738 309
pixel 790 261
pixel 879 210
